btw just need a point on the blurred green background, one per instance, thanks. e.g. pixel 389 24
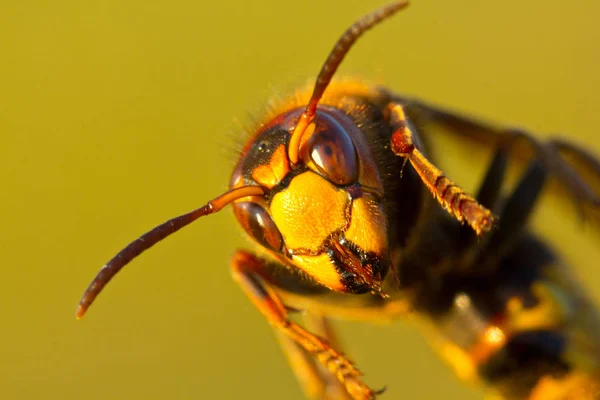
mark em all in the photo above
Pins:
pixel 115 116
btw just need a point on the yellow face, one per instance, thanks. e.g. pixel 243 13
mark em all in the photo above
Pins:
pixel 324 215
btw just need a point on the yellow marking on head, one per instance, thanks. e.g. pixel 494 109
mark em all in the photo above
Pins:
pixel 263 174
pixel 279 163
pixel 308 211
pixel 272 173
pixel 368 228
pixel 321 268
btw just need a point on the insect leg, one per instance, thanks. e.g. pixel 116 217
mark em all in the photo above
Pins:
pixel 488 196
pixel 250 272
pixel 575 168
pixel 450 196
pixel 517 209
pixel 513 214
pixel 304 366
pixel 491 187
pixel 316 381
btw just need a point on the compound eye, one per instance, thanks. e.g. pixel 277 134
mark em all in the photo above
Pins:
pixel 258 224
pixel 333 153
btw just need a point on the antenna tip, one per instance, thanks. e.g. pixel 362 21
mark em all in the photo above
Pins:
pixel 80 312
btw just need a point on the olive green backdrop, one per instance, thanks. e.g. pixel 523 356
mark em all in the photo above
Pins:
pixel 116 115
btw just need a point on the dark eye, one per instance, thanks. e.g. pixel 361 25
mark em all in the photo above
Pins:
pixel 333 153
pixel 258 224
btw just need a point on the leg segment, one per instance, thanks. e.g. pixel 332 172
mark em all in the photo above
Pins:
pixel 304 366
pixel 317 382
pixel 575 168
pixel 513 216
pixel 250 272
pixel 322 326
pixel 450 196
pixel 488 196
pixel 516 210
pixel 491 187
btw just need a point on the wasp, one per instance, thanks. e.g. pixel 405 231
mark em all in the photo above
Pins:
pixel 353 219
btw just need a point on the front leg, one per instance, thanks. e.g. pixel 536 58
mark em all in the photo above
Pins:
pixel 316 381
pixel 450 196
pixel 250 272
